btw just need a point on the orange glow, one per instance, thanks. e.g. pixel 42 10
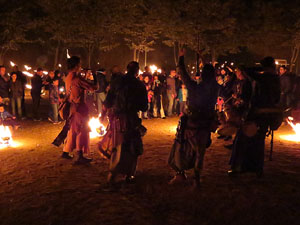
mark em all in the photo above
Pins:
pixel 97 128
pixel 296 128
pixel 6 139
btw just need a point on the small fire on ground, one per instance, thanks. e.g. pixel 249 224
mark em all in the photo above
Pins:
pixel 6 139
pixel 296 128
pixel 97 128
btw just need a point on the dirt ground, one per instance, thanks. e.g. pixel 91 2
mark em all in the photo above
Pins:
pixel 38 187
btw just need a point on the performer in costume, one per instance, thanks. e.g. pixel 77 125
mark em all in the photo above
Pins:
pixel 123 141
pixel 193 132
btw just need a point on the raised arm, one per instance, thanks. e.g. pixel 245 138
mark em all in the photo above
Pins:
pixel 187 80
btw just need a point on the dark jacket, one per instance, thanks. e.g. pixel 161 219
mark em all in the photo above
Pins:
pixel 127 95
pixel 4 86
pixel 203 96
pixel 267 90
pixel 37 84
pixel 286 85
pixel 102 83
pixel 53 94
pixel 16 89
pixel 171 85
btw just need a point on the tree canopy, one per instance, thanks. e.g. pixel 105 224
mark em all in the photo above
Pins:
pixel 217 27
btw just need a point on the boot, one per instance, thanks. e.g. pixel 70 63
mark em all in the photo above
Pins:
pixel 81 159
pixel 180 177
pixel 66 155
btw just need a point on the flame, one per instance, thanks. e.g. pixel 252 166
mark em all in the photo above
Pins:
pixel 12 63
pixel 97 128
pixel 28 86
pixel 68 56
pixel 59 65
pixel 5 137
pixel 27 67
pixel 153 68
pixel 45 72
pixel 27 74
pixel 296 128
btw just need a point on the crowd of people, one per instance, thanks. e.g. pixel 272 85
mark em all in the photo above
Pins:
pixel 243 103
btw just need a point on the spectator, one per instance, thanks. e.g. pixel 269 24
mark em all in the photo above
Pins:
pixel 4 85
pixel 171 91
pixel 102 88
pixel 286 85
pixel 16 93
pixel 182 98
pixel 6 119
pixel 37 84
pixel 157 98
pixel 21 77
pixel 54 101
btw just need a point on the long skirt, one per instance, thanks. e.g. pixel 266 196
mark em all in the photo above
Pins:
pixel 248 152
pixel 78 136
pixel 189 146
pixel 122 145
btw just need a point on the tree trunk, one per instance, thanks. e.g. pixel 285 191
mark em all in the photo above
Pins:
pixel 90 52
pixel 175 54
pixel 213 57
pixel 56 55
pixel 138 56
pixel 146 57
pixel 134 54
pixel 295 54
pixel 2 55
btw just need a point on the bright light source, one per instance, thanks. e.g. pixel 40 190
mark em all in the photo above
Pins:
pixel 68 56
pixel 97 128
pixel 296 127
pixel 27 74
pixel 59 65
pixel 28 86
pixel 12 63
pixel 27 67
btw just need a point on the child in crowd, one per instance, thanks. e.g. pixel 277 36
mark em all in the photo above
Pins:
pixel 148 86
pixel 182 98
pixel 6 119
pixel 54 101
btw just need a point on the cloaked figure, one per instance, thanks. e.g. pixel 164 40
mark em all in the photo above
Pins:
pixel 78 135
pixel 122 143
pixel 263 115
pixel 193 131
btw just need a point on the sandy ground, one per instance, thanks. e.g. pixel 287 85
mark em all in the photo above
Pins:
pixel 39 187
